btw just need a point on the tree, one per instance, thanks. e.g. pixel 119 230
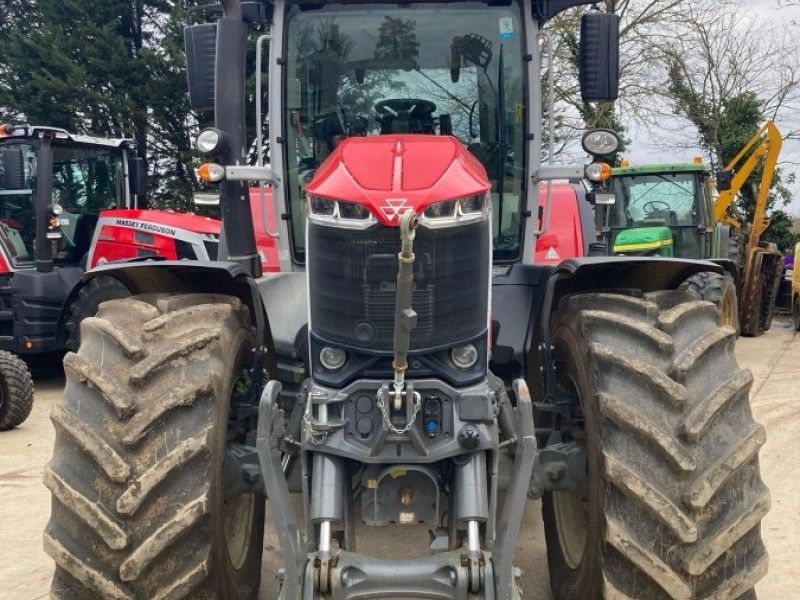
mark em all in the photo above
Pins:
pixel 727 75
pixel 397 39
pixel 644 24
pixel 113 68
pixel 781 232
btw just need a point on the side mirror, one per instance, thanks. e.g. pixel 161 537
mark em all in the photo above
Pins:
pixel 724 181
pixel 136 176
pixel 599 57
pixel 13 168
pixel 200 42
pixel 205 199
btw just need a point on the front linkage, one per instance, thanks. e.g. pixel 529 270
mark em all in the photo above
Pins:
pixel 453 574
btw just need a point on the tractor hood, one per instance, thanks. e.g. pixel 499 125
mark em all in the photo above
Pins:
pixel 389 174
pixel 644 240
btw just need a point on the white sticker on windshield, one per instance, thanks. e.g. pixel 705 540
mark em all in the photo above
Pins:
pixel 506 29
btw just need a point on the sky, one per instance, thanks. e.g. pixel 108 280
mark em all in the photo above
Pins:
pixel 659 146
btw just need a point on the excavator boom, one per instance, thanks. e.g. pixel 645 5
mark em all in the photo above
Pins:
pixel 764 147
pixel 760 274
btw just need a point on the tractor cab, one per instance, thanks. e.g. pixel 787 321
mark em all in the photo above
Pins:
pixel 658 210
pixel 412 69
pixel 53 187
pixel 50 218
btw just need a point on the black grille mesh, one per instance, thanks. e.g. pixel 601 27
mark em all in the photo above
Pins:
pixel 353 276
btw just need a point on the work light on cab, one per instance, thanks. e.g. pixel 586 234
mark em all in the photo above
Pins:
pixel 210 141
pixel 600 142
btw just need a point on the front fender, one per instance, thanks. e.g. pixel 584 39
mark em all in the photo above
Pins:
pixel 647 274
pixel 596 274
pixel 186 277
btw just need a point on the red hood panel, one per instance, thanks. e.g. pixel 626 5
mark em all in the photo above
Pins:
pixel 411 171
pixel 369 164
pixel 564 238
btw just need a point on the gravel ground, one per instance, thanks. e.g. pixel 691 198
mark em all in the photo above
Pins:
pixel 25 570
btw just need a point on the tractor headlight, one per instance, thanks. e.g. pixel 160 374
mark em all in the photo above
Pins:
pixel 210 140
pixel 464 357
pixel 460 211
pixel 339 213
pixel 332 358
pixel 351 210
pixel 600 142
pixel 441 210
pixel 321 206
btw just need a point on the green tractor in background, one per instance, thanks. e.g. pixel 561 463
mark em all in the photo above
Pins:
pixel 684 211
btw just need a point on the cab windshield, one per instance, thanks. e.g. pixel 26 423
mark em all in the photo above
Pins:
pixel 438 69
pixel 668 199
pixel 86 180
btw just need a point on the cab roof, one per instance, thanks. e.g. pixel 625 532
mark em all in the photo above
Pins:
pixel 34 131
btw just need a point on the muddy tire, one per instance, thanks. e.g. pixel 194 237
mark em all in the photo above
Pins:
pixel 86 304
pixel 138 509
pixel 796 312
pixel 16 391
pixel 675 498
pixel 720 290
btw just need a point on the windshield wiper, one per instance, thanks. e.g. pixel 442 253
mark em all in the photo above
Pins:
pixel 450 94
pixel 676 184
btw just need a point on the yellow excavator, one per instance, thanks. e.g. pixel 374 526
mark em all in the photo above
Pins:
pixel 682 210
pixel 760 262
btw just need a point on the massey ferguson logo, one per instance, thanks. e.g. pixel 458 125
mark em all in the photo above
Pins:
pixel 145 226
pixel 394 207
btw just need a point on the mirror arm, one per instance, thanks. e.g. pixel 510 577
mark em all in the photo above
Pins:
pixel 260 134
pixel 552 172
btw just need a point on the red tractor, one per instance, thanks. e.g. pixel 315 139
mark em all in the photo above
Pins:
pixel 69 203
pixel 450 376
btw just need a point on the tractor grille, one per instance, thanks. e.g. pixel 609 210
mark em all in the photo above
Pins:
pixel 352 282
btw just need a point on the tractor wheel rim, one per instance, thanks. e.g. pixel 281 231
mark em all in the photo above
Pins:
pixel 239 516
pixel 726 312
pixel 573 526
pixel 571 510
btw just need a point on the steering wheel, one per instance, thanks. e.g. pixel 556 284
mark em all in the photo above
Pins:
pixel 405 107
pixel 655 206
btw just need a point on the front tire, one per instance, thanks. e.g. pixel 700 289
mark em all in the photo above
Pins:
pixel 720 290
pixel 87 302
pixel 796 312
pixel 674 499
pixel 138 505
pixel 16 391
